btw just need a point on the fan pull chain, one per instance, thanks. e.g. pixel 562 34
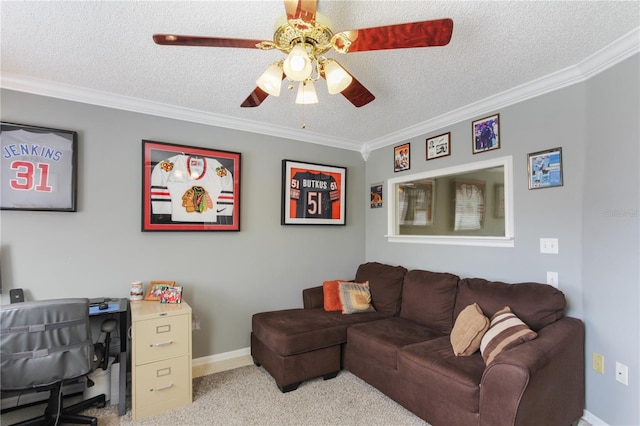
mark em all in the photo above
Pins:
pixel 303 126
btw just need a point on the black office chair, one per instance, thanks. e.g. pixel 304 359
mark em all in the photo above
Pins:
pixel 101 358
pixel 43 346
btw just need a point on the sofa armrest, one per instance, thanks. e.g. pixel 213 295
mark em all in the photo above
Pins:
pixel 313 298
pixel 537 382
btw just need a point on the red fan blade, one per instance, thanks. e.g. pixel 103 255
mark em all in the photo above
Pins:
pixel 181 40
pixel 400 36
pixel 255 98
pixel 301 9
pixel 356 93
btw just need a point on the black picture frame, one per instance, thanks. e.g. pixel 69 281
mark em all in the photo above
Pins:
pixel 313 194
pixel 402 157
pixel 39 168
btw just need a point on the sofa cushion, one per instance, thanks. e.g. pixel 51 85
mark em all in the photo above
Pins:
pixel 468 330
pixel 505 332
pixel 294 331
pixel 428 298
pixel 385 283
pixel 380 340
pixel 355 297
pixel 538 305
pixel 434 367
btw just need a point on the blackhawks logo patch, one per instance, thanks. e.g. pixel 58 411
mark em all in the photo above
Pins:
pixel 221 171
pixel 167 166
pixel 196 200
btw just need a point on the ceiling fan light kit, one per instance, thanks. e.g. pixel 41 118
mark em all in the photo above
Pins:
pixel 271 80
pixel 306 93
pixel 337 78
pixel 305 35
pixel 298 66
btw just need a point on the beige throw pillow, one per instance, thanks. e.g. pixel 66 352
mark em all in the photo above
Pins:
pixel 468 330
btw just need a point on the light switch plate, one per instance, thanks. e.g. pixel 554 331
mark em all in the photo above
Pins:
pixel 549 245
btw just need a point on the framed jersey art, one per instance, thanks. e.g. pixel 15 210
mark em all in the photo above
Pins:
pixel 39 168
pixel 313 194
pixel 186 188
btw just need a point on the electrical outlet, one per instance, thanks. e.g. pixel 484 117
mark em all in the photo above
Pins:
pixel 598 362
pixel 552 279
pixel 622 373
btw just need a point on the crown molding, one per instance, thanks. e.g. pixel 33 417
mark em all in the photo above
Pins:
pixel 612 54
pixel 70 92
pixel 619 50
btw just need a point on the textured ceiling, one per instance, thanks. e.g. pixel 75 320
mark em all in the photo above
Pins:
pixel 103 51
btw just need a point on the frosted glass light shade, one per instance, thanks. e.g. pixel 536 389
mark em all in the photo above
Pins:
pixel 306 93
pixel 337 78
pixel 271 80
pixel 297 66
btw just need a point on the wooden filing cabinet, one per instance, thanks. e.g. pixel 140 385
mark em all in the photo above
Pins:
pixel 161 357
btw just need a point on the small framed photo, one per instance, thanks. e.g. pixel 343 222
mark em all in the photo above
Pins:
pixel 39 168
pixel 186 188
pixel 155 289
pixel 313 194
pixel 401 158
pixel 545 168
pixel 171 295
pixel 486 134
pixel 377 199
pixel 439 146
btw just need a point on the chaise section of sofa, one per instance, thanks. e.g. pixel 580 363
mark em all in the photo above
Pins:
pixel 295 345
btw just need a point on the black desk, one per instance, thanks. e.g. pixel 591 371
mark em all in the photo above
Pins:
pixel 119 308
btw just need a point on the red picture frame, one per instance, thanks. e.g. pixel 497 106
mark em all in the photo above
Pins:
pixel 188 188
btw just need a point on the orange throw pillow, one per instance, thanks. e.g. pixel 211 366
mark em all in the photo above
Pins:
pixel 331 296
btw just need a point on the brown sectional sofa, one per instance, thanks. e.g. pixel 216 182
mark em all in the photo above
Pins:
pixel 404 348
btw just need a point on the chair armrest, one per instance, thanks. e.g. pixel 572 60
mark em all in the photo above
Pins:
pixel 313 298
pixel 537 382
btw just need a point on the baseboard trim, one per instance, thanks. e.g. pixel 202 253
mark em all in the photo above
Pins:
pixel 221 362
pixel 592 419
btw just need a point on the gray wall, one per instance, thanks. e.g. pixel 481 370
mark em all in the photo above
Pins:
pixel 611 235
pixel 594 216
pixel 545 122
pixel 227 276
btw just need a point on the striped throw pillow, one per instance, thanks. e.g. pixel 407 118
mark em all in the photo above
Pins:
pixel 505 332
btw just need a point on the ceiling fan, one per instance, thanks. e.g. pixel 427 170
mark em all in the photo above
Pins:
pixel 305 35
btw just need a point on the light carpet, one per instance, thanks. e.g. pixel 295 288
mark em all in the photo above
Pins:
pixel 249 396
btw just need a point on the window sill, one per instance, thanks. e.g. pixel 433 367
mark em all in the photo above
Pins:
pixel 453 240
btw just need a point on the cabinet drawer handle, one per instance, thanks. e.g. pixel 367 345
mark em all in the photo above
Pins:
pixel 170 385
pixel 170 342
